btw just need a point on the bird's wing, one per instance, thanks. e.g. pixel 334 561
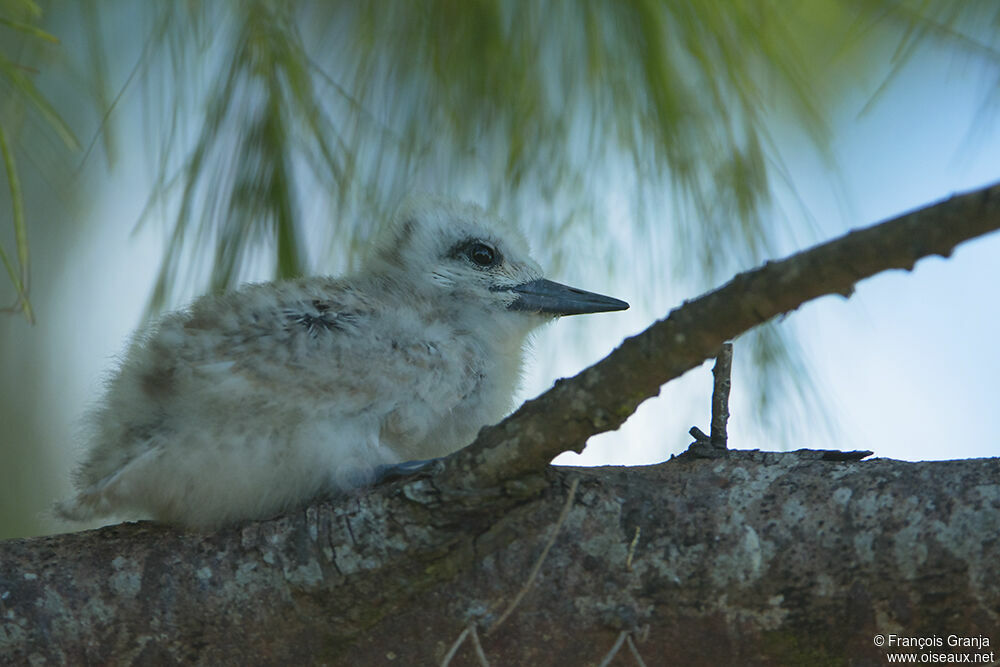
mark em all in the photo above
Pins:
pixel 323 346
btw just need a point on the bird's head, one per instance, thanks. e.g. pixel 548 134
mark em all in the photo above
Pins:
pixel 459 251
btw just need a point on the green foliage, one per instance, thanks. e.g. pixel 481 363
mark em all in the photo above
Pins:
pixel 362 102
pixel 18 30
pixel 526 96
pixel 19 278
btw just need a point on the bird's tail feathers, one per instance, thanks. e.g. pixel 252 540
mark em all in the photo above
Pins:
pixel 85 506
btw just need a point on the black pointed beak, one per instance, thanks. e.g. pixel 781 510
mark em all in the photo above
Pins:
pixel 545 296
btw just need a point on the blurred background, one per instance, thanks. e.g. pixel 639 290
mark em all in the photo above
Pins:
pixel 649 148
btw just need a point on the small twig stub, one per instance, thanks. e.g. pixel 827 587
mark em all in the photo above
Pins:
pixel 716 445
pixel 722 372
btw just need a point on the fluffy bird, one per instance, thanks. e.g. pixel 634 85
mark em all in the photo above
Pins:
pixel 252 402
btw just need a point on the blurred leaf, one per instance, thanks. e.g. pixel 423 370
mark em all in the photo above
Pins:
pixel 28 29
pixel 99 86
pixel 19 16
pixel 243 158
pixel 24 8
pixel 18 278
pixel 21 85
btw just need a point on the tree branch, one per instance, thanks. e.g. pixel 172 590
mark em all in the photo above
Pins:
pixel 758 558
pixel 603 396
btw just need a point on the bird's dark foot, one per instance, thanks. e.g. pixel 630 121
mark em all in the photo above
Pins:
pixel 391 471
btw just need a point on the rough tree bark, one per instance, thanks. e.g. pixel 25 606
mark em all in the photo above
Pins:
pixel 756 558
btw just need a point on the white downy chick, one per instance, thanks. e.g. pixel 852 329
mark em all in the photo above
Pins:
pixel 255 401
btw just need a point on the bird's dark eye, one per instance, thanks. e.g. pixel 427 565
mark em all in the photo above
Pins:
pixel 482 254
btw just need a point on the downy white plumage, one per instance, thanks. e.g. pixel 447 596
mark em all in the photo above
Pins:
pixel 255 401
